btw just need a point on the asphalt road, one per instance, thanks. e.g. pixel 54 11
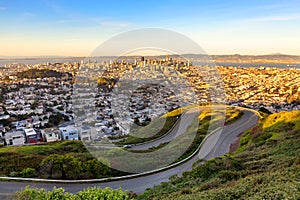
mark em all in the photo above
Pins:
pixel 215 145
pixel 180 128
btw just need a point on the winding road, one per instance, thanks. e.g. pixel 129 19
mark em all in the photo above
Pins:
pixel 179 128
pixel 214 145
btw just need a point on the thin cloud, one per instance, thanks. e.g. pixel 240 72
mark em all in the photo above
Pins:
pixel 2 8
pixel 110 23
pixel 114 24
pixel 275 18
pixel 28 14
pixel 96 21
pixel 66 21
pixel 269 7
pixel 54 7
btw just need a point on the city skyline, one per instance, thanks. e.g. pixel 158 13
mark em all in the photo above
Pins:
pixel 54 28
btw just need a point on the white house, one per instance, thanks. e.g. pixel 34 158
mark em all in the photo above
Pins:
pixel 51 134
pixel 85 133
pixel 69 133
pixel 17 138
pixel 31 135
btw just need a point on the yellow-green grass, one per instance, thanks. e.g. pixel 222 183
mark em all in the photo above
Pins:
pixel 270 128
pixel 216 116
pixel 157 128
pixel 232 115
pixel 278 119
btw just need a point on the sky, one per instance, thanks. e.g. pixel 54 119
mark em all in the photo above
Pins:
pixel 76 28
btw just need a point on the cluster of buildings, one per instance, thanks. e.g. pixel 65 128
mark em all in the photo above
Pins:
pixel 127 93
pixel 22 136
pixel 13 68
pixel 150 101
pixel 275 89
pixel 105 98
pixel 32 108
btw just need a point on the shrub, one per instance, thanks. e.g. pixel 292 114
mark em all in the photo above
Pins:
pixel 13 174
pixel 98 193
pixel 60 194
pixel 27 172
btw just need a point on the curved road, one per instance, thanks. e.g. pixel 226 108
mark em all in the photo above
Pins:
pixel 214 145
pixel 180 128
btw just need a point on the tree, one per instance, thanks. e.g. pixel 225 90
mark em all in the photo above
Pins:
pixel 56 119
pixel 65 165
pixel 95 168
pixel 69 166
pixel 51 163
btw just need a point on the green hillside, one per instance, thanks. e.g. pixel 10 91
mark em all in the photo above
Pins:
pixel 265 166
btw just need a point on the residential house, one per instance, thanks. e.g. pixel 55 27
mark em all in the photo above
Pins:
pixel 85 133
pixel 69 133
pixel 30 135
pixel 17 138
pixel 51 134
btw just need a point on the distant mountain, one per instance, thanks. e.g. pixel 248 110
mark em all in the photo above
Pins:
pixel 271 58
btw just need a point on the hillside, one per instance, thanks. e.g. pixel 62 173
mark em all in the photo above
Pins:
pixel 265 166
pixel 35 73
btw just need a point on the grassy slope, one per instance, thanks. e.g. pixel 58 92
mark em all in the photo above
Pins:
pixel 157 128
pixel 266 166
pixel 17 158
pixel 160 126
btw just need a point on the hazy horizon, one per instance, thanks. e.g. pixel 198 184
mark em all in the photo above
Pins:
pixel 133 55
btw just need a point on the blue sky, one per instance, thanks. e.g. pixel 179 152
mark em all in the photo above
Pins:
pixel 71 28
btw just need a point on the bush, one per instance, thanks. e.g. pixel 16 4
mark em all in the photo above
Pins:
pixel 41 194
pixel 261 139
pixel 13 174
pixel 228 175
pixel 60 194
pixel 98 193
pixel 27 172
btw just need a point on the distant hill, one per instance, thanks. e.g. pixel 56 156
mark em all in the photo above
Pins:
pixel 265 166
pixel 272 58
